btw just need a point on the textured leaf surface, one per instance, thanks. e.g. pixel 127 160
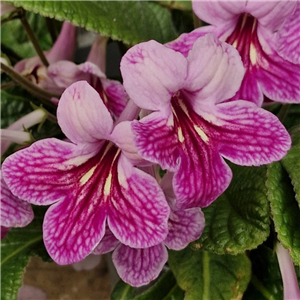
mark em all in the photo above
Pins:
pixel 14 37
pixel 129 21
pixel 238 219
pixel 165 288
pixel 13 107
pixel 209 276
pixel 291 162
pixel 285 209
pixel 16 249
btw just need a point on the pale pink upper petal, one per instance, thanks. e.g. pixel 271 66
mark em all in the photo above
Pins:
pixel 215 70
pixel 42 173
pixel 139 267
pixel 218 12
pixel 14 211
pixel 138 212
pixel 152 73
pixel 288 37
pixel 82 115
pixel 185 226
pixel 249 135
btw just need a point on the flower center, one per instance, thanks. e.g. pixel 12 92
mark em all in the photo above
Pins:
pixel 244 39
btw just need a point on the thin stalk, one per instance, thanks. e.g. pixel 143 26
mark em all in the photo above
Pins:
pixel 283 112
pixel 43 95
pixel 7 85
pixel 33 38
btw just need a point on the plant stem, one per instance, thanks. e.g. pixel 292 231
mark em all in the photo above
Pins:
pixel 283 112
pixel 33 38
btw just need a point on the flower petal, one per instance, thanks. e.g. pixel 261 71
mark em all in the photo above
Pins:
pixel 184 227
pixel 152 73
pixel 288 37
pixel 14 211
pixel 139 267
pixel 107 244
pixel 82 116
pixel 156 140
pixel 41 174
pixel 250 135
pixel 138 212
pixel 73 227
pixel 215 70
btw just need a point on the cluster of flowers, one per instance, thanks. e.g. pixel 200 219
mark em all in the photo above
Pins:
pixel 199 101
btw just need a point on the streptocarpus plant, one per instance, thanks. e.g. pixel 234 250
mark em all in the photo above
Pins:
pixel 139 180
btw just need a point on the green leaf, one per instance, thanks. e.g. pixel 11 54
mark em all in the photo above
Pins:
pixel 165 288
pixel 284 208
pixel 122 291
pixel 16 249
pixel 128 21
pixel 266 282
pixel 14 37
pixel 181 5
pixel 13 107
pixel 238 219
pixel 291 162
pixel 204 275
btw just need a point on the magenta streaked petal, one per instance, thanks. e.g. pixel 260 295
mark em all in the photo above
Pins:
pixel 14 211
pixel 152 73
pixel 82 115
pixel 157 140
pixel 107 244
pixel 41 174
pixel 279 79
pixel 250 89
pixel 138 211
pixel 73 227
pixel 288 37
pixel 185 226
pixel 215 70
pixel 202 177
pixel 139 267
pixel 117 97
pixel 250 135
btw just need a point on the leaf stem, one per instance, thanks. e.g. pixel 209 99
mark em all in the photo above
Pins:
pixel 32 37
pixel 43 95
pixel 283 112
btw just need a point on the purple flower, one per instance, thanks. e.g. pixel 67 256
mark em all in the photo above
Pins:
pixel 14 211
pixel 140 266
pixel 89 182
pixel 266 34
pixel 192 129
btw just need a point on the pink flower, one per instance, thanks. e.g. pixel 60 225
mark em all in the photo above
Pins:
pixel 266 34
pixel 89 182
pixel 192 127
pixel 140 266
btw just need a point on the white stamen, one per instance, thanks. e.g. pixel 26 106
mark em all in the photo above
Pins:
pixel 107 185
pixel 87 176
pixel 253 54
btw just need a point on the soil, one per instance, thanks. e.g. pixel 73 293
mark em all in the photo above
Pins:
pixel 65 283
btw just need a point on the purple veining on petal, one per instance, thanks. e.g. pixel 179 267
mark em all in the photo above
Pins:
pixel 107 244
pixel 138 211
pixel 14 211
pixel 138 267
pixel 288 37
pixel 185 226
